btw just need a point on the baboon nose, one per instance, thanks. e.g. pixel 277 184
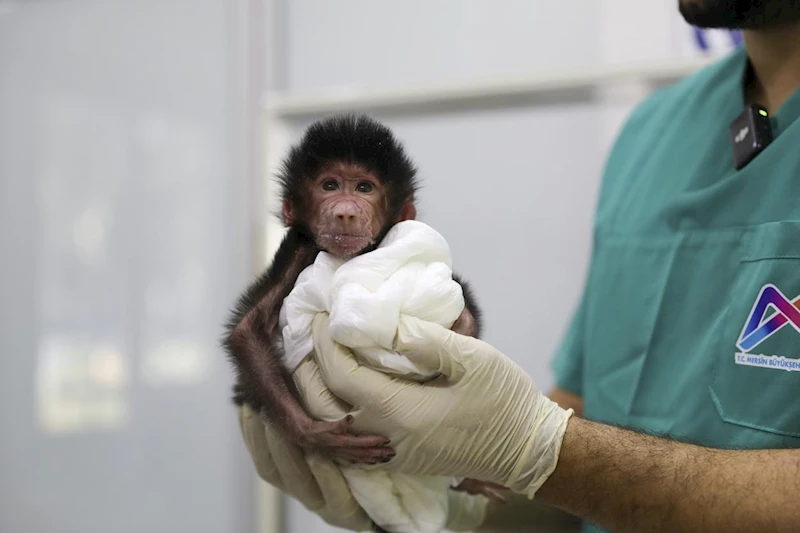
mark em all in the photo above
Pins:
pixel 346 214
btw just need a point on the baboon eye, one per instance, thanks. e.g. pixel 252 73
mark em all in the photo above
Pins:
pixel 330 185
pixel 364 186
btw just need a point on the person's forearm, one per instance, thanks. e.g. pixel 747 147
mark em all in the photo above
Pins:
pixel 629 482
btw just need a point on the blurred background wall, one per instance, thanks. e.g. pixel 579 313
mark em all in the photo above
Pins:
pixel 132 211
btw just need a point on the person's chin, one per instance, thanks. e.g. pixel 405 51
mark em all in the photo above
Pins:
pixel 720 14
pixel 738 14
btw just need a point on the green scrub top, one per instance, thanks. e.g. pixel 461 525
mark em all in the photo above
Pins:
pixel 689 323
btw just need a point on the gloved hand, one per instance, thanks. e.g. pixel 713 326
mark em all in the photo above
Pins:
pixel 318 483
pixel 315 481
pixel 483 418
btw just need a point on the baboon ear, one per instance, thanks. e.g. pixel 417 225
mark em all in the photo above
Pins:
pixel 288 213
pixel 408 212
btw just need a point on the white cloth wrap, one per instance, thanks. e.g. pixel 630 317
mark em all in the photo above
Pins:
pixel 409 273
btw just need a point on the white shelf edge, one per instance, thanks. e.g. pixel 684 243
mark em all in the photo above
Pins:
pixel 477 93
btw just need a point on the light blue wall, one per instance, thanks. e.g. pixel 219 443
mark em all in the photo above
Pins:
pixel 122 247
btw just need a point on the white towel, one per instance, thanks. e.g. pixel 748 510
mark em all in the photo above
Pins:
pixel 408 274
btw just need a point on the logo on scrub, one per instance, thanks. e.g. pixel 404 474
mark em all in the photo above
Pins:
pixel 771 312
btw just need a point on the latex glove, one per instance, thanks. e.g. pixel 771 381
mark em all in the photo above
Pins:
pixel 314 480
pixel 484 418
pixel 318 483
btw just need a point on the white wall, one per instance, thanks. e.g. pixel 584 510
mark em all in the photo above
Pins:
pixel 513 190
pixel 123 218
pixel 399 43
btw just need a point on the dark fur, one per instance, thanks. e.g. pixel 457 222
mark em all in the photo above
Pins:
pixel 245 390
pixel 252 332
pixel 471 303
pixel 352 139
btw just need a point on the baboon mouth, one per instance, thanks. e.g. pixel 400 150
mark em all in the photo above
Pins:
pixel 348 236
pixel 346 243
